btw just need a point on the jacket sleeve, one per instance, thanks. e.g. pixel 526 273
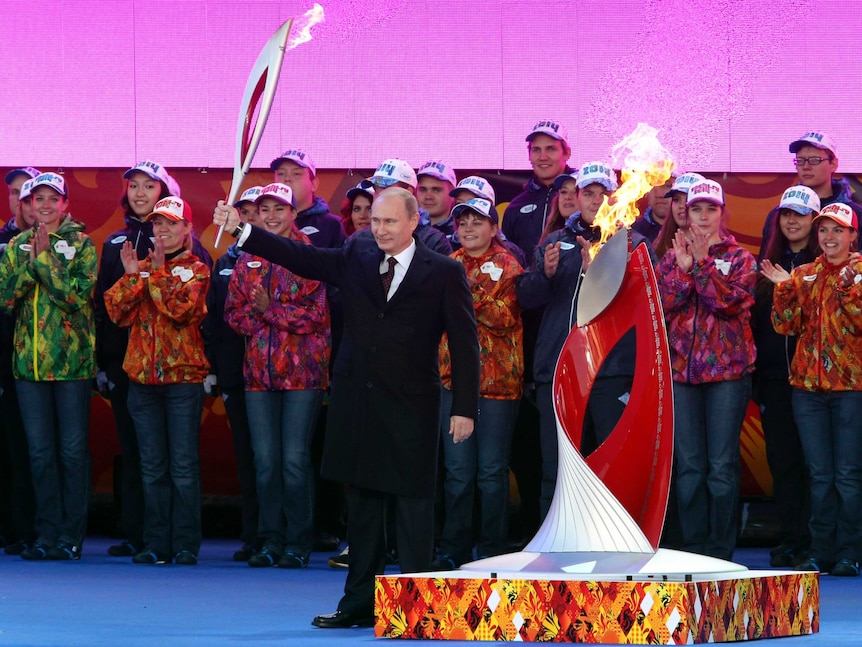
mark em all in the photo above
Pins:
pixel 321 264
pixel 123 299
pixel 676 286
pixel 69 285
pixel 850 299
pixel 463 336
pixel 786 310
pixel 238 310
pixel 182 302
pixel 730 294
pixel 533 288
pixel 16 278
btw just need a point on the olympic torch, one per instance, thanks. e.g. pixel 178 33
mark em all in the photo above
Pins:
pixel 259 94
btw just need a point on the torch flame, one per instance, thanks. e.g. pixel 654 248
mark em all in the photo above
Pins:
pixel 645 163
pixel 302 26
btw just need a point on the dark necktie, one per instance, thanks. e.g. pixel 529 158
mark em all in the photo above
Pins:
pixel 387 276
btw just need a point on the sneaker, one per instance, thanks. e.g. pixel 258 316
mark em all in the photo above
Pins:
pixel 37 551
pixel 341 560
pixel 846 568
pixel 124 549
pixel 186 558
pixel 445 563
pixel 292 559
pixel 268 556
pixel 149 556
pixel 64 550
pixel 16 547
pixel 244 554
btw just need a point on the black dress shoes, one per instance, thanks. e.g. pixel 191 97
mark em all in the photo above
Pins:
pixel 342 620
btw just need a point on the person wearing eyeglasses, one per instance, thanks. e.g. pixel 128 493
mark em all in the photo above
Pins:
pixel 816 163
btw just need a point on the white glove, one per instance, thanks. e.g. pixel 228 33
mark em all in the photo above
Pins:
pixel 210 384
pixel 103 384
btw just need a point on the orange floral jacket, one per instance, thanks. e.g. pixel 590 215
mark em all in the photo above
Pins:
pixel 164 309
pixel 498 315
pixel 828 321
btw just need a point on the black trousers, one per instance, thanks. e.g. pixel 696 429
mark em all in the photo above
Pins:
pixel 234 404
pixel 414 528
pixel 17 501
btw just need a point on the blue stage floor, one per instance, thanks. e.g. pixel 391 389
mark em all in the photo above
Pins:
pixel 109 601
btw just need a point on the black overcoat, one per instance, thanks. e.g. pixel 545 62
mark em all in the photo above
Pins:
pixel 382 429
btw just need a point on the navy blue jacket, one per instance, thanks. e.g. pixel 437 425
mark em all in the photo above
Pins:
pixel 322 227
pixel 525 217
pixel 224 348
pixel 646 226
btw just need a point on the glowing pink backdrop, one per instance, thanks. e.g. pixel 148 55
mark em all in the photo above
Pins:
pixel 729 82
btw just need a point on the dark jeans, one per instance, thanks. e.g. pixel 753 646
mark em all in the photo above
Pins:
pixel 18 501
pixel 790 487
pixel 282 424
pixel 707 422
pixel 830 426
pixel 168 422
pixel 56 419
pixel 131 485
pixel 482 460
pixel 234 404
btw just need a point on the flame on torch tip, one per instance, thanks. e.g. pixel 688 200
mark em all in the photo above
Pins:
pixel 302 26
pixel 645 163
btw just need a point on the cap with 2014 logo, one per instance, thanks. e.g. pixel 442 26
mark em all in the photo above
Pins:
pixel 597 173
pixel 249 195
pixel 683 183
pixel 151 169
pixel 800 199
pixel 172 208
pixel 439 171
pixel 29 171
pixel 297 156
pixel 551 128
pixel 816 139
pixel 478 186
pixel 392 171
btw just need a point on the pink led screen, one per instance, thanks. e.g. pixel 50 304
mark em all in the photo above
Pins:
pixel 97 83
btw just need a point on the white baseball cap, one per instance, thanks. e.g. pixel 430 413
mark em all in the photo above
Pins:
pixel 297 156
pixel 800 199
pixel 52 180
pixel 840 213
pixel 249 195
pixel 279 191
pixel 480 206
pixel 708 190
pixel 392 171
pixel 683 183
pixel 364 187
pixel 438 170
pixel 816 139
pixel 478 186
pixel 153 170
pixel 597 173
pixel 172 207
pixel 551 128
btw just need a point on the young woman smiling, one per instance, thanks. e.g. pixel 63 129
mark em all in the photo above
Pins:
pixel 707 286
pixel 47 277
pixel 820 303
pixel 791 243
pixel 162 300
pixel 483 459
pixel 285 320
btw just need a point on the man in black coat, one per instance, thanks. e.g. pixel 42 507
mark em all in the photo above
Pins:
pixel 385 396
